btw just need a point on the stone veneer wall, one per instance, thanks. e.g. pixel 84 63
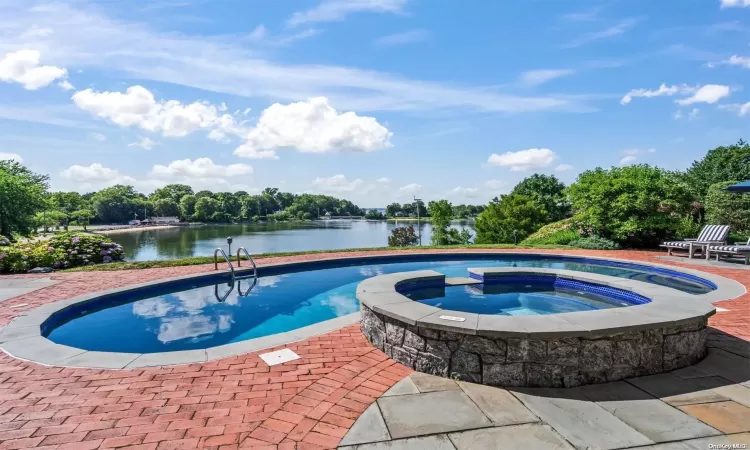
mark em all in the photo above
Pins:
pixel 560 362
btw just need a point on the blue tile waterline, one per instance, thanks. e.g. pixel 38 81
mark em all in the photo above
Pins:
pixel 186 315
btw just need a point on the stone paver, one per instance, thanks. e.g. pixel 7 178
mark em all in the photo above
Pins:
pixel 647 415
pixel 370 427
pixel 583 423
pixel 439 442
pixel 518 437
pixel 307 404
pixel 430 413
pixel 675 390
pixel 500 406
pixel 403 387
pixel 431 383
pixel 729 417
pixel 717 442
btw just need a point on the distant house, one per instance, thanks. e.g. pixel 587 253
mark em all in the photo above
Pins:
pixel 163 220
pixel 134 222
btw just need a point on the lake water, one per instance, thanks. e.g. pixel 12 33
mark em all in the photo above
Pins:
pixel 181 242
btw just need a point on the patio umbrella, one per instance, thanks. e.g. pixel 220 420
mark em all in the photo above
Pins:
pixel 739 187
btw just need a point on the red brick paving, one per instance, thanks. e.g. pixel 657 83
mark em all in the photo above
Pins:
pixel 233 403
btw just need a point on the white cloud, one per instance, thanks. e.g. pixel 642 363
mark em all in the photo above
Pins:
pixel 407 37
pixel 85 36
pixel 735 3
pixel 620 28
pixel 337 183
pixel 23 67
pixel 693 113
pixel 464 192
pixel 523 160
pixel 628 160
pixel 11 157
pixel 144 143
pixel 661 91
pixel 496 184
pixel 258 33
pixel 336 10
pixel 536 77
pixel 410 189
pixel 313 127
pixel 741 108
pixel 138 107
pixel 200 168
pixel 383 180
pixel 98 137
pixel 710 93
pixel 735 60
pixel 95 173
pixel 563 168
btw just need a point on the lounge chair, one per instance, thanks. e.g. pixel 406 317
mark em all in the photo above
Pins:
pixel 709 235
pixel 738 248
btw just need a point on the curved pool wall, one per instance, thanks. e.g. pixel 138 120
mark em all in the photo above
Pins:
pixel 23 338
pixel 556 350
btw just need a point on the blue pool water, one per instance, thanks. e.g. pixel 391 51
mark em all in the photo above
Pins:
pixel 519 298
pixel 188 315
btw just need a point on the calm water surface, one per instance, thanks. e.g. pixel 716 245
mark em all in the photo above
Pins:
pixel 277 237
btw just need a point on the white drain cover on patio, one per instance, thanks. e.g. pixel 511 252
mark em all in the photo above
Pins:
pixel 279 356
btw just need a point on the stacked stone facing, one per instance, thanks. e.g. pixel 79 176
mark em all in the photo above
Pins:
pixel 548 362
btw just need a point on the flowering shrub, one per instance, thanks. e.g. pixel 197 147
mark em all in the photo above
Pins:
pixel 60 252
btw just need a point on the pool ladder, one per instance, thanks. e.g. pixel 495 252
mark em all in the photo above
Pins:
pixel 222 298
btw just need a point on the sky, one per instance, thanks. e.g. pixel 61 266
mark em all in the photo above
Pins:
pixel 375 101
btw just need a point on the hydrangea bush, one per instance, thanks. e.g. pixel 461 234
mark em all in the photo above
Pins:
pixel 60 252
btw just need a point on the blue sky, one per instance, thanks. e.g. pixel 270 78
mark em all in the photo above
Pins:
pixel 372 100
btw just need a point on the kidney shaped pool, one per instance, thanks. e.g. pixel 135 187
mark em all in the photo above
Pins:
pixel 192 316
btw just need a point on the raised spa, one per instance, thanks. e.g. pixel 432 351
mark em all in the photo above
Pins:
pixel 532 327
pixel 523 295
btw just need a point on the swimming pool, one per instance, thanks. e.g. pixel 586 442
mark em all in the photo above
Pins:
pixel 193 315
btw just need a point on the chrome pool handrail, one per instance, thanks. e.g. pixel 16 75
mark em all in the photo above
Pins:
pixel 250 258
pixel 216 261
pixel 224 297
pixel 246 293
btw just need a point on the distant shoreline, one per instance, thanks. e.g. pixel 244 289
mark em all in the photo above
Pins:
pixel 132 229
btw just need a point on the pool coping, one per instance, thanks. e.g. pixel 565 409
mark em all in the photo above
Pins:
pixel 668 307
pixel 22 338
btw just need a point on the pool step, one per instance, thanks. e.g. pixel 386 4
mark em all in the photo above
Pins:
pixel 460 281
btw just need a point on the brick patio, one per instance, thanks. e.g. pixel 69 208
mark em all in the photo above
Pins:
pixel 237 402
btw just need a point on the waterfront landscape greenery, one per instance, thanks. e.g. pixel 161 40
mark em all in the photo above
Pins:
pixel 634 206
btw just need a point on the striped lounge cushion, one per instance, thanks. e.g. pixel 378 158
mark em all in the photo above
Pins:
pixel 679 244
pixel 713 233
pixel 730 248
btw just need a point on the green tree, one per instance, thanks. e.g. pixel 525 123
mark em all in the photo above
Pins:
pixel 549 192
pixel 249 208
pixel 82 217
pixel 441 212
pixel 393 210
pixel 166 207
pixel 22 195
pixel 118 204
pixel 374 214
pixel 728 208
pixel 48 219
pixel 174 192
pixel 635 205
pixel 513 212
pixel 187 206
pixel 719 165
pixel 206 207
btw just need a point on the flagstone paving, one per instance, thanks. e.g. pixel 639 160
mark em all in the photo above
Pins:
pixel 341 382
